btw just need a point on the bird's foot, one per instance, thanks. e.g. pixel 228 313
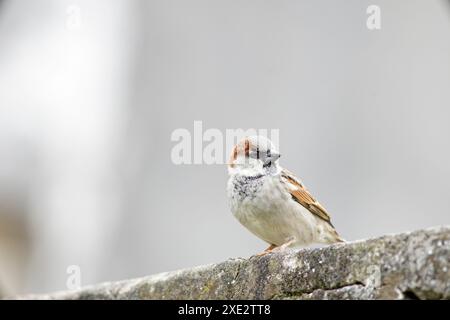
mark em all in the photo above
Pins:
pixel 284 246
pixel 267 251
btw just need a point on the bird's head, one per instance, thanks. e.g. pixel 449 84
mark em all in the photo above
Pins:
pixel 252 156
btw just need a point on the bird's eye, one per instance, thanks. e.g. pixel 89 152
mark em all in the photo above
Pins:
pixel 268 153
pixel 257 153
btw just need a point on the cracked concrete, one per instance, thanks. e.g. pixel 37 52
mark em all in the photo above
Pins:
pixel 413 265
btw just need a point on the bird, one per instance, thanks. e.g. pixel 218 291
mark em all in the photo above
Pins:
pixel 271 202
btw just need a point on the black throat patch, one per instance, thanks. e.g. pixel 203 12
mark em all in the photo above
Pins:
pixel 246 187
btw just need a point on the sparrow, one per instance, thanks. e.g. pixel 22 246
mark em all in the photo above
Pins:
pixel 271 202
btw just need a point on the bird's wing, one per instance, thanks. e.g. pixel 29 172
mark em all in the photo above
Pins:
pixel 303 197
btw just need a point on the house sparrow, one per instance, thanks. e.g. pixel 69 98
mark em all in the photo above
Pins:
pixel 271 202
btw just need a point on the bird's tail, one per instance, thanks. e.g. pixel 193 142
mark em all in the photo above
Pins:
pixel 335 237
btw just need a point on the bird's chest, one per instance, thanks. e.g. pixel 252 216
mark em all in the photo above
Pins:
pixel 256 195
pixel 243 188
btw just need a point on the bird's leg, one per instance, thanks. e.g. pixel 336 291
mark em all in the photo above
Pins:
pixel 284 245
pixel 268 250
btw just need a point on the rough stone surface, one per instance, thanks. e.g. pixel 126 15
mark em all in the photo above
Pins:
pixel 412 265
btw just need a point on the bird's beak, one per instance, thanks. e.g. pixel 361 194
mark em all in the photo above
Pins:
pixel 273 157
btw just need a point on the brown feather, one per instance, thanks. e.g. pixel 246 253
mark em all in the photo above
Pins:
pixel 301 195
pixel 247 147
pixel 233 156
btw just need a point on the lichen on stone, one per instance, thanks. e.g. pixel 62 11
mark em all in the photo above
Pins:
pixel 413 265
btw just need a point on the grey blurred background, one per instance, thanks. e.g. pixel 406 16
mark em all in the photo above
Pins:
pixel 90 92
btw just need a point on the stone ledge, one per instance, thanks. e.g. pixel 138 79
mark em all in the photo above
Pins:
pixel 413 265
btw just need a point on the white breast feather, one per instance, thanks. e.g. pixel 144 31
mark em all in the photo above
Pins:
pixel 272 215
